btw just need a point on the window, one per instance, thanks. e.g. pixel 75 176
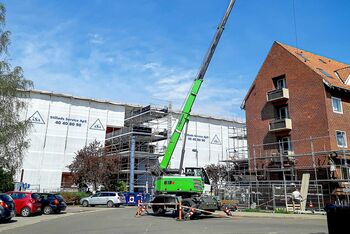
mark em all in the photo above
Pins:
pixel 322 61
pixel 281 83
pixel 286 145
pixel 282 112
pixel 324 72
pixel 341 139
pixel 337 105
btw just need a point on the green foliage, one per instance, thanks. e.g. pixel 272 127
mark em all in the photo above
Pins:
pixel 121 186
pixel 6 181
pixel 13 129
pixel 281 211
pixel 74 197
pixel 252 210
pixel 92 165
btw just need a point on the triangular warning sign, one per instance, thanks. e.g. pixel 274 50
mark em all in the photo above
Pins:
pixel 216 140
pixel 36 118
pixel 97 125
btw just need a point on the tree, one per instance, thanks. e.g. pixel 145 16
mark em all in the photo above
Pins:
pixel 6 181
pixel 13 130
pixel 121 186
pixel 218 174
pixel 92 165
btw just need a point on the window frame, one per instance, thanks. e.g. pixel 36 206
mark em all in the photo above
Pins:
pixel 341 105
pixel 286 140
pixel 279 112
pixel 283 81
pixel 344 137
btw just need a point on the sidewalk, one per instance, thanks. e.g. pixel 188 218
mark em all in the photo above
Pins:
pixel 278 215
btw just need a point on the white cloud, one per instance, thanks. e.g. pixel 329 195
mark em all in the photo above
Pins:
pixel 95 38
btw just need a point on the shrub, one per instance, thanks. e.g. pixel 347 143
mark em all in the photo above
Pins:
pixel 73 197
pixel 281 211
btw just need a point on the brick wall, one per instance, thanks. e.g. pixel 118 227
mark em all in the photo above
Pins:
pixel 307 104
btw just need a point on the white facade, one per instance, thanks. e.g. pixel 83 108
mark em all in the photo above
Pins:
pixel 209 140
pixel 63 124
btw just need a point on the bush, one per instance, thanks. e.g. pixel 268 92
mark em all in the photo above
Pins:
pixel 73 197
pixel 121 186
pixel 6 181
pixel 281 211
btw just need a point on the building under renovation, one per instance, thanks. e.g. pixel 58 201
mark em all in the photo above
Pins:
pixel 298 114
pixel 63 124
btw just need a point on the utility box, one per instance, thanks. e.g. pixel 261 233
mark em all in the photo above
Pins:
pixel 337 218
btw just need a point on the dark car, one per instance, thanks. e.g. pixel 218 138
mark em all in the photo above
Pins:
pixel 26 203
pixel 7 208
pixel 52 203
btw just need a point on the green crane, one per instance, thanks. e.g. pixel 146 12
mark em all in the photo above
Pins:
pixel 191 185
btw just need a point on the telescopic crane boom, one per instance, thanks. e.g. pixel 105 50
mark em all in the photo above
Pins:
pixel 185 113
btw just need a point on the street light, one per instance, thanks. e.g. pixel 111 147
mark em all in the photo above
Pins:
pixel 196 151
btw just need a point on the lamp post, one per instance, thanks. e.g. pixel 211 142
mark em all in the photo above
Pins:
pixel 196 151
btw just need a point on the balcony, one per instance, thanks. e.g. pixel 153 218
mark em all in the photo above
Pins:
pixel 278 95
pixel 279 125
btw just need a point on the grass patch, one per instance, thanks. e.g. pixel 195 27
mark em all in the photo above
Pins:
pixel 252 210
pixel 282 211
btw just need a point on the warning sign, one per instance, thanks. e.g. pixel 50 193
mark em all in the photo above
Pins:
pixel 36 118
pixel 97 125
pixel 216 140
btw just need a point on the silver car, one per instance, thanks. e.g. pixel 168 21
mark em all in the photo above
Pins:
pixel 110 199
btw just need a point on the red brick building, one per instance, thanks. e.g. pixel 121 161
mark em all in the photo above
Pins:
pixel 298 107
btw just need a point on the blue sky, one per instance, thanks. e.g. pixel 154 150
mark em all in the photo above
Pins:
pixel 149 51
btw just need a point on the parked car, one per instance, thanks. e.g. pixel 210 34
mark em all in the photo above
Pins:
pixel 110 199
pixel 7 208
pixel 52 203
pixel 26 203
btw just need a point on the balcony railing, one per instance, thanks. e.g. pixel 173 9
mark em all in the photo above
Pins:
pixel 278 95
pixel 280 125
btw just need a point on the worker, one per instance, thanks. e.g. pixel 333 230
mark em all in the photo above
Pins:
pixel 296 198
pixel 332 167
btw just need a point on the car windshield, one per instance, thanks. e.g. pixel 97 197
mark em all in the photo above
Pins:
pixel 35 196
pixel 120 194
pixel 5 198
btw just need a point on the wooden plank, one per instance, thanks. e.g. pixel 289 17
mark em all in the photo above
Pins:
pixel 304 190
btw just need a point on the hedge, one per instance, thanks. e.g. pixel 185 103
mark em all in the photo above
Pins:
pixel 73 197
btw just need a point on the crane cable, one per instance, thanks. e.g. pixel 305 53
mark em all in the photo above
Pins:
pixel 295 26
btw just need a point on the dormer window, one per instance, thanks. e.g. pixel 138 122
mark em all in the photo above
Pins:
pixel 347 82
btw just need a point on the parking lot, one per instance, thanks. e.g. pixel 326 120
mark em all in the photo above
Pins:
pixel 122 220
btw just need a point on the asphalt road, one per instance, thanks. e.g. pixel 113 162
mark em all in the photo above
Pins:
pixel 123 220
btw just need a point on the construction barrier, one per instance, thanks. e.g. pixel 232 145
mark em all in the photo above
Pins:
pixel 142 208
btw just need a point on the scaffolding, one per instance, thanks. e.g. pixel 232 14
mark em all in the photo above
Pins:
pixel 136 144
pixel 267 177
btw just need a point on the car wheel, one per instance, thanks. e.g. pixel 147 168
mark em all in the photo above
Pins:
pixel 47 210
pixel 85 203
pixel 159 210
pixel 25 212
pixel 6 220
pixel 110 204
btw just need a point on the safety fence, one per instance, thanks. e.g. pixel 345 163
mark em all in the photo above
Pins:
pixel 183 212
pixel 282 164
